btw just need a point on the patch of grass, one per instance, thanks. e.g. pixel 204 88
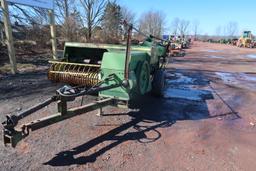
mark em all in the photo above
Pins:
pixel 6 68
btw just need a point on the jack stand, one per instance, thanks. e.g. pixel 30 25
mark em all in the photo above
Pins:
pixel 100 112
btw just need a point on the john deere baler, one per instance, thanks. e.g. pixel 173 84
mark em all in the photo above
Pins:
pixel 90 64
pixel 116 73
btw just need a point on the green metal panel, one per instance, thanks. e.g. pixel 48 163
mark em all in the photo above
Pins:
pixel 114 63
pixel 113 60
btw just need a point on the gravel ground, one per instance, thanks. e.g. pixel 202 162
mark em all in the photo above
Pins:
pixel 206 120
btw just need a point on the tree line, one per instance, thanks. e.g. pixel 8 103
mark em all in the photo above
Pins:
pixel 95 21
pixel 82 20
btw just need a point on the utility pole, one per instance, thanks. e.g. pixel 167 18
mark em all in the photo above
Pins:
pixel 1 30
pixel 53 34
pixel 9 37
pixel 1 33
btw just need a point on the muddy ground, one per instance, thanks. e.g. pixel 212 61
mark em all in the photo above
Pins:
pixel 206 120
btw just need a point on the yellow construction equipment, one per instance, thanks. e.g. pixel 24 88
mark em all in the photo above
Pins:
pixel 245 40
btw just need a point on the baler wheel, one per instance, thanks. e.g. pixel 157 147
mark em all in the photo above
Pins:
pixel 158 83
pixel 143 77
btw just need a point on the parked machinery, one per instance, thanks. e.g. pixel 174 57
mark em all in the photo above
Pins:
pixel 176 46
pixel 245 40
pixel 185 42
pixel 234 41
pixel 117 74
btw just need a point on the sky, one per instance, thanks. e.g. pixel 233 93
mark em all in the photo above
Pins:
pixel 210 13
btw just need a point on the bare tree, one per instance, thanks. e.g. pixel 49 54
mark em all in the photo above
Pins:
pixel 68 18
pixel 232 29
pixel 218 31
pixel 195 27
pixel 175 26
pixel 152 22
pixel 1 34
pixel 180 26
pixel 111 22
pixel 63 9
pixel 1 29
pixel 30 22
pixel 70 29
pixel 28 15
pixel 183 27
pixel 93 10
pixel 128 15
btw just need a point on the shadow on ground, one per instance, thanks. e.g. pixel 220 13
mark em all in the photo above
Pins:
pixel 24 84
pixel 183 100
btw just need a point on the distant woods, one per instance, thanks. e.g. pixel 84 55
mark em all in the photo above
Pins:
pixel 82 21
pixel 230 30
pixel 96 21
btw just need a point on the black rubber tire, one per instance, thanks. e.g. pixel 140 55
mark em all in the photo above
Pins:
pixel 158 83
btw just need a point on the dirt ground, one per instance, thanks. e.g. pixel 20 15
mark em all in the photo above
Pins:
pixel 206 120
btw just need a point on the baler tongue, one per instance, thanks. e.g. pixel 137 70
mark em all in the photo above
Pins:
pixel 74 73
